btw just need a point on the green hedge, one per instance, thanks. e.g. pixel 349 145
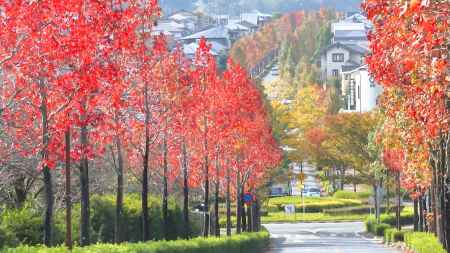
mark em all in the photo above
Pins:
pixel 311 204
pixel 352 195
pixel 421 242
pixel 244 243
pixel 354 210
pixel 380 228
pixel 24 226
pixel 374 228
pixel 392 235
pixel 406 218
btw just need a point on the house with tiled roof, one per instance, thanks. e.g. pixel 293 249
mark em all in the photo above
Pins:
pixel 171 28
pixel 339 57
pixel 219 34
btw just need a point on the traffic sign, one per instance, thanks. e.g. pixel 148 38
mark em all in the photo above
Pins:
pixel 301 177
pixel 289 209
pixel 248 198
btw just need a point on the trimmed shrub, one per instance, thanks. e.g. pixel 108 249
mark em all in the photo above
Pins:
pixel 421 242
pixel 244 243
pixel 311 204
pixel 380 228
pixel 24 226
pixel 352 195
pixel 406 218
pixel 393 235
pixel 354 210
pixel 387 235
pixel 370 224
pixel 374 228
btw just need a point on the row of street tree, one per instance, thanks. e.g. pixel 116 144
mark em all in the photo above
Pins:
pixel 84 80
pixel 410 58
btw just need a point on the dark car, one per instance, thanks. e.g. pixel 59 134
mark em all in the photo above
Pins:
pixel 200 208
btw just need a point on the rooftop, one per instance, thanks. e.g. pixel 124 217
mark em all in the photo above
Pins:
pixel 219 32
pixel 191 49
pixel 351 47
pixel 344 34
pixel 169 26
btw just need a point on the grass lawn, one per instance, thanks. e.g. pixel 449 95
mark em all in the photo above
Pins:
pixel 279 217
pixel 311 204
pixel 315 208
pixel 312 200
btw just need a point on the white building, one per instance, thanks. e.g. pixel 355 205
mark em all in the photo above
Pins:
pixel 359 90
pixel 170 28
pixel 217 49
pixel 256 18
pixel 339 57
pixel 219 34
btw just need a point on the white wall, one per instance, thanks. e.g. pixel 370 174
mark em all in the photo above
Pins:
pixel 366 92
pixel 347 26
pixel 330 65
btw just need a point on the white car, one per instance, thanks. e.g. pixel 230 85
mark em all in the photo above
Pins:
pixel 311 192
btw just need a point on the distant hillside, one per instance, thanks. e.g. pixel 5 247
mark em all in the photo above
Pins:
pixel 236 6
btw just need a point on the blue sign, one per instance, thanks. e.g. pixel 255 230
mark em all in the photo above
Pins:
pixel 248 198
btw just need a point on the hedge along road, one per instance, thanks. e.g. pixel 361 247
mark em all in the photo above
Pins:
pixel 342 237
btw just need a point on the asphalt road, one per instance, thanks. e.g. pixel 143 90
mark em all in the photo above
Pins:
pixel 310 178
pixel 342 237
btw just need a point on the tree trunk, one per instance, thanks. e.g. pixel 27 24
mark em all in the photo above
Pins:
pixel 20 191
pixel 429 207
pixel 206 182
pixel 249 218
pixel 421 215
pixel 187 228
pixel 48 220
pixel 119 196
pixel 145 161
pixel 84 188
pixel 238 204
pixel 228 201
pixel 333 179
pixel 48 184
pixel 398 225
pixel 446 160
pixel 416 215
pixel 258 215
pixel 68 196
pixel 434 200
pixel 216 198
pixel 388 193
pixel 244 216
pixel 165 210
pixel 376 204
pixel 442 171
pixel 254 216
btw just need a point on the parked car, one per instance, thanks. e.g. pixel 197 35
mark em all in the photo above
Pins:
pixel 200 208
pixel 311 192
pixel 277 192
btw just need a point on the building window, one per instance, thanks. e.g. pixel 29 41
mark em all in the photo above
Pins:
pixel 335 72
pixel 347 76
pixel 352 95
pixel 372 82
pixel 338 57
